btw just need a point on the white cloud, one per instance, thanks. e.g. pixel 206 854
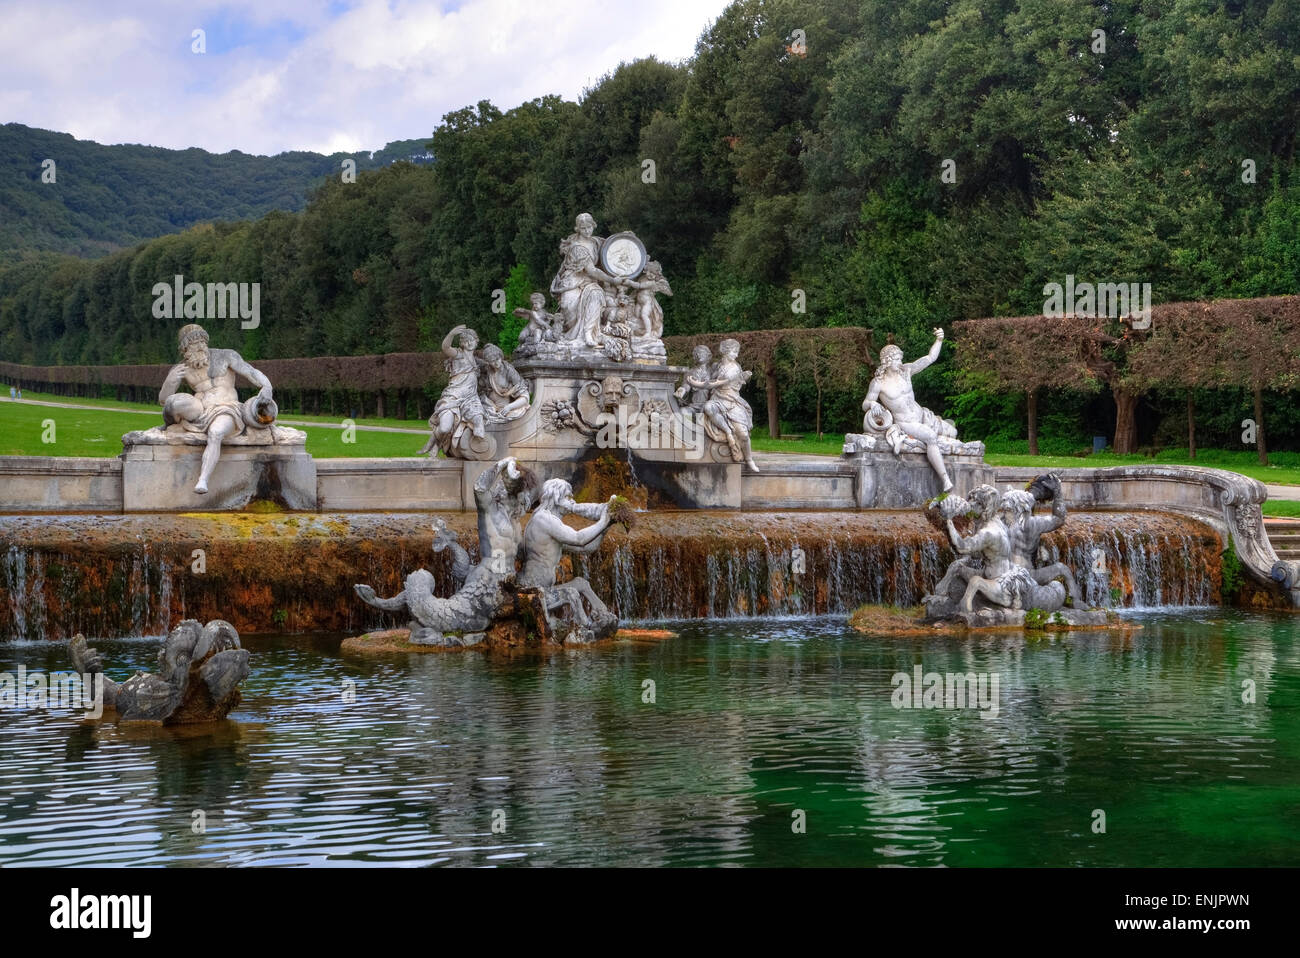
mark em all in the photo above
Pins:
pixel 300 77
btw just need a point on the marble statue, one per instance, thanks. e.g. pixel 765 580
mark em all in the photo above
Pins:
pixel 693 393
pixel 458 420
pixel 995 569
pixel 490 592
pixel 502 495
pixel 649 314
pixel 1026 531
pixel 212 413
pixel 502 391
pixel 728 418
pixel 1002 581
pixel 894 418
pixel 982 507
pixel 199 672
pixel 539 328
pixel 572 608
pixel 606 290
pixel 481 389
pixel 579 286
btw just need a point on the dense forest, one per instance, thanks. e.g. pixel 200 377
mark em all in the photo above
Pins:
pixel 891 164
pixel 95 199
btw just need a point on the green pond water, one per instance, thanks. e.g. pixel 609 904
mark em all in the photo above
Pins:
pixel 755 726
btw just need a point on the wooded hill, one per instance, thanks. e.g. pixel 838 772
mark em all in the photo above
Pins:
pixel 105 198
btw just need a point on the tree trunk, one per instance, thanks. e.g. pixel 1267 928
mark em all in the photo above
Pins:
pixel 773 413
pixel 401 404
pixel 1033 422
pixel 379 405
pixel 1259 427
pixel 1125 420
pixel 1191 425
pixel 819 414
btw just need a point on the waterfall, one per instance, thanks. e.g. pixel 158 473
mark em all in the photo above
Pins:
pixel 132 575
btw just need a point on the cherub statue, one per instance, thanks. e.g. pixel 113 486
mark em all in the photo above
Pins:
pixel 540 327
pixel 649 314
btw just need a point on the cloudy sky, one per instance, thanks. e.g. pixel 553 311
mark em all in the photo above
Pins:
pixel 320 75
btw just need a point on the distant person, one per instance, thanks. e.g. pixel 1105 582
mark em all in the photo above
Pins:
pixel 20 393
pixel 13 393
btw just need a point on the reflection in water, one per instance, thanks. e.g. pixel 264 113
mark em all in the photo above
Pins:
pixel 751 723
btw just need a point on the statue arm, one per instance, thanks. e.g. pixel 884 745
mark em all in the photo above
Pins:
pixel 449 342
pixel 590 510
pixel 569 538
pixel 489 476
pixel 925 361
pixel 518 385
pixel 1043 524
pixel 968 545
pixel 171 383
pixel 959 542
pixel 595 272
pixel 590 537
pixel 254 376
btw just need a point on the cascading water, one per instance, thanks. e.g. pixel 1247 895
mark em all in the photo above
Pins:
pixel 133 575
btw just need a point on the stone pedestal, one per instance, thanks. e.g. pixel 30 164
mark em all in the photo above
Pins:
pixel 583 410
pixel 908 481
pixel 160 478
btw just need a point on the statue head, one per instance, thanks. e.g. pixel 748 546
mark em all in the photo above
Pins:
pixel 985 499
pixel 521 483
pixel 701 355
pixel 1017 504
pixel 538 301
pixel 556 493
pixel 891 357
pixel 729 348
pixel 193 342
pixel 584 224
pixel 493 356
pixel 469 339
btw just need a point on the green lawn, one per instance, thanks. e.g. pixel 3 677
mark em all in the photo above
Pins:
pixel 1287 508
pixel 828 445
pixel 94 432
pixel 98 432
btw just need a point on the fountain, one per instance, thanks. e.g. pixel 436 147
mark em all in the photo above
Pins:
pixel 588 402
